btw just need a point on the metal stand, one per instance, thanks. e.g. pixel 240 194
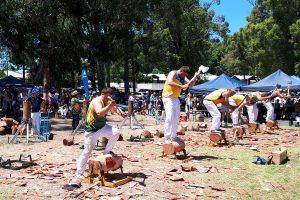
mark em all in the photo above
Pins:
pixel 131 116
pixel 15 138
pixel 132 119
pixel 80 124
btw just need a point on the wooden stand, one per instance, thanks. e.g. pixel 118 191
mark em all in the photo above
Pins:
pixel 110 180
pixel 217 138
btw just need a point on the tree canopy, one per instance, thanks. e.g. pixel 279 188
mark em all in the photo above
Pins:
pixel 123 39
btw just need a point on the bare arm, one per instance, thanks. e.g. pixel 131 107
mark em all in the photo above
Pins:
pixel 241 106
pixel 100 109
pixel 260 98
pixel 193 80
pixel 171 80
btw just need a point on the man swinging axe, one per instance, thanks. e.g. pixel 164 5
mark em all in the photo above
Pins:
pixel 176 82
pixel 96 127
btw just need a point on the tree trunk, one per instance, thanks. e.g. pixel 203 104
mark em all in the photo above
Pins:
pixel 108 78
pixel 133 72
pixel 100 74
pixel 125 76
pixel 23 68
pixel 46 81
pixel 93 75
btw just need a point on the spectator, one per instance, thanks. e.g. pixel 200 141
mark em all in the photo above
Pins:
pixel 188 104
pixel 277 109
pixel 289 108
pixel 75 109
pixel 7 104
pixel 36 102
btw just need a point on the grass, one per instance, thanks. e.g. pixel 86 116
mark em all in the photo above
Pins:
pixel 255 179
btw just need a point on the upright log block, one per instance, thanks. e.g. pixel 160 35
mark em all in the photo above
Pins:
pixel 238 132
pixel 217 137
pixel 279 156
pixel 253 128
pixel 103 164
pixel 272 124
pixel 174 147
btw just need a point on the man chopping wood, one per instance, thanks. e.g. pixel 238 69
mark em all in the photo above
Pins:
pixel 175 83
pixel 220 96
pixel 96 127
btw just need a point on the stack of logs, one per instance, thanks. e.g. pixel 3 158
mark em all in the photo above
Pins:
pixel 8 126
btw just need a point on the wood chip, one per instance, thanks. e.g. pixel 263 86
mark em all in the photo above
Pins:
pixel 277 185
pixel 218 188
pixel 21 183
pixel 176 178
pixel 188 168
pixel 241 191
pixel 203 170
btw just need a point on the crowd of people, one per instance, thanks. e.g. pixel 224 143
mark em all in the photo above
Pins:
pixel 68 103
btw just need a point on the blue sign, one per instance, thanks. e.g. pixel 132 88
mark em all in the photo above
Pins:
pixel 85 83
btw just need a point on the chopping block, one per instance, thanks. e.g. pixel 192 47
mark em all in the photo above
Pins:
pixel 238 132
pixel 272 125
pixel 101 165
pixel 279 156
pixel 253 128
pixel 174 147
pixel 217 137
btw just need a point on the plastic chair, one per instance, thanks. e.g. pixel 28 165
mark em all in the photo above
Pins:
pixel 45 127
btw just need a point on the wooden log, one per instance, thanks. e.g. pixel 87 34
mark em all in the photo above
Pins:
pixel 159 133
pixel 147 134
pixel 217 137
pixel 279 156
pixel 104 163
pixel 104 141
pixel 181 130
pixel 253 128
pixel 26 111
pixel 238 132
pixel 9 121
pixel 183 117
pixel 68 141
pixel 272 124
pixel 173 147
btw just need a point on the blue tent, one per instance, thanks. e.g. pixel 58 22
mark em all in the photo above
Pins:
pixel 12 81
pixel 223 81
pixel 296 77
pixel 269 82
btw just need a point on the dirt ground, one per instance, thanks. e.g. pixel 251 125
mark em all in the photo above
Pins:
pixel 225 172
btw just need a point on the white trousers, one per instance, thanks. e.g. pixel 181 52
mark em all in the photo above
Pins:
pixel 234 114
pixel 36 122
pixel 172 108
pixel 270 111
pixel 215 113
pixel 252 113
pixel 235 118
pixel 90 140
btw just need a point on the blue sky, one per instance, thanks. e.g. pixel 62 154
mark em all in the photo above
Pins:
pixel 235 12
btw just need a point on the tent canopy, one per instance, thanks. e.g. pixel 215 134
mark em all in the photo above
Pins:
pixel 269 82
pixel 12 81
pixel 296 77
pixel 223 81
